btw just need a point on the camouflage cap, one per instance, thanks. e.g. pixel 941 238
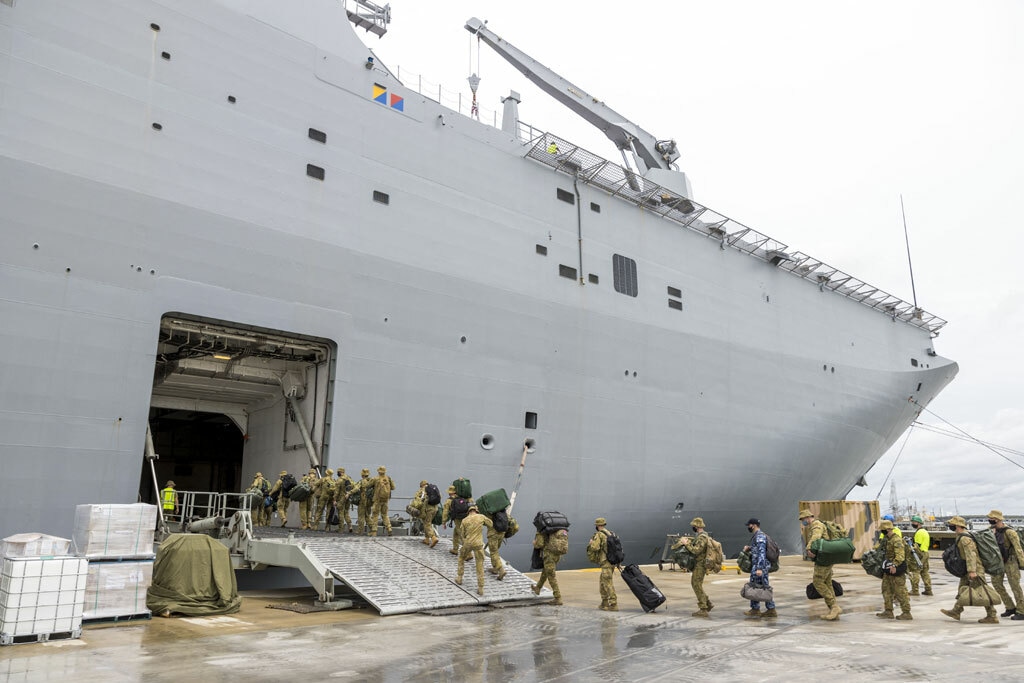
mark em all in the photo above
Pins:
pixel 885 525
pixel 957 521
pixel 259 474
pixel 423 483
pixel 365 472
pixel 995 514
pixel 312 471
pixel 341 471
pixel 473 508
pixel 697 522
pixel 451 489
pixel 805 513
pixel 600 521
pixel 283 472
pixel 329 472
pixel 917 518
pixel 382 469
pixel 170 483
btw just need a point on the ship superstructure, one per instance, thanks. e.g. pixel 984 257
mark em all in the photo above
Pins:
pixel 228 221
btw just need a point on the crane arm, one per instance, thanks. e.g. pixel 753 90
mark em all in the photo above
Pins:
pixel 651 152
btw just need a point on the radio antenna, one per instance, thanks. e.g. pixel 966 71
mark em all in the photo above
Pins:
pixel 906 236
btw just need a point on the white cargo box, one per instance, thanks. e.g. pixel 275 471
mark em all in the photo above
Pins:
pixel 35 545
pixel 114 530
pixel 117 589
pixel 41 595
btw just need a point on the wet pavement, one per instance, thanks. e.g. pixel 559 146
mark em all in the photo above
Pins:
pixel 575 642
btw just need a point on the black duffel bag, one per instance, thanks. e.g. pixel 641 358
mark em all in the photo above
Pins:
pixel 813 594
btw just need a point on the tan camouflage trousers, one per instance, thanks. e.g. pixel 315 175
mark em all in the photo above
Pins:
pixel 608 597
pixel 282 509
pixel 822 580
pixel 894 588
pixel 477 553
pixel 379 511
pixel 550 561
pixel 427 520
pixel 697 583
pixel 965 581
pixel 494 550
pixel 456 534
pixel 922 574
pixel 1013 578
pixel 363 519
pixel 344 516
pixel 305 507
pixel 323 511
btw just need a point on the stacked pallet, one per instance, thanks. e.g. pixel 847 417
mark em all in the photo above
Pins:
pixel 118 542
pixel 41 598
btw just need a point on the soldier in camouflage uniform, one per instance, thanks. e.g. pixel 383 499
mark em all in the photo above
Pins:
pixel 922 543
pixel 260 513
pixel 894 587
pixel 324 500
pixel 975 570
pixel 494 539
pixel 473 545
pixel 456 523
pixel 364 488
pixel 427 512
pixel 698 547
pixel 306 506
pixel 383 485
pixel 1013 557
pixel 822 578
pixel 551 553
pixel 342 486
pixel 597 552
pixel 282 499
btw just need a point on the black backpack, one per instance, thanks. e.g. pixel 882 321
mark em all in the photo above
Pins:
pixel 459 508
pixel 288 483
pixel 613 550
pixel 500 520
pixel 771 550
pixel 433 495
pixel 955 565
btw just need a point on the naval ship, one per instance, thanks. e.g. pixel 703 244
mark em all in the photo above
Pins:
pixel 226 228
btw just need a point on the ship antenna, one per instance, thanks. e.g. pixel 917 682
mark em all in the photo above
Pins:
pixel 906 237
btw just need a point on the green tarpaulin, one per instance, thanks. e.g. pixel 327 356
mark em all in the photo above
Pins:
pixel 192 575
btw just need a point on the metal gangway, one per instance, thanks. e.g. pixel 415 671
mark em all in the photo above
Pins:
pixel 395 574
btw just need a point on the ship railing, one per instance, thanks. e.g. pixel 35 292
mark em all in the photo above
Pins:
pixel 454 100
pixel 618 181
pixel 368 15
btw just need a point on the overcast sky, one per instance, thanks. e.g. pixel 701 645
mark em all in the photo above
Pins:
pixel 806 121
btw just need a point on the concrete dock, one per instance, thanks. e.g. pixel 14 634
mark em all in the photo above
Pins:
pixel 575 642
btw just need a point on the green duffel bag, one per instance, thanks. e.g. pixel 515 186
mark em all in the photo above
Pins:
pixel 746 563
pixel 872 562
pixel 463 488
pixel 438 515
pixel 684 559
pixel 828 553
pixel 492 501
pixel 300 492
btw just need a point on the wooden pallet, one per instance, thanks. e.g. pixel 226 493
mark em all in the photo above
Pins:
pixel 118 618
pixel 6 639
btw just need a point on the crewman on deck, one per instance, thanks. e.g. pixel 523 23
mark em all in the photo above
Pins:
pixel 894 586
pixel 975 575
pixel 383 485
pixel 698 547
pixel 822 577
pixel 923 542
pixel 1013 557
pixel 597 552
pixel 169 499
pixel 365 491
pixel 473 545
pixel 282 498
pixel 342 488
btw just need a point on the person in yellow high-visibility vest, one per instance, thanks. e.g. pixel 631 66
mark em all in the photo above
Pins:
pixel 169 499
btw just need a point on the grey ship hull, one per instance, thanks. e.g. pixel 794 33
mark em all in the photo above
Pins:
pixel 446 327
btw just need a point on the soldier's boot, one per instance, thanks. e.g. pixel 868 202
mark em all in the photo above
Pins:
pixel 557 600
pixel 915 592
pixel 833 613
pixel 453 551
pixel 493 570
pixel 501 575
pixel 613 607
pixel 535 589
pixel 458 580
pixel 752 612
pixel 1009 613
pixel 480 589
pixel 770 613
pixel 952 614
pixel 884 614
pixel 905 616
pixel 927 591
pixel 433 541
pixel 990 619
pixel 603 606
pixel 389 532
pixel 702 613
pixel 710 606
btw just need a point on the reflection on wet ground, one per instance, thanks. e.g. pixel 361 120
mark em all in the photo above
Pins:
pixel 576 642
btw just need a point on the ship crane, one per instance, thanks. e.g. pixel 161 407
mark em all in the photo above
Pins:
pixel 654 158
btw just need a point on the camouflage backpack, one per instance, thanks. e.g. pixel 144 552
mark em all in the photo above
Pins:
pixel 833 531
pixel 714 557
pixel 513 527
pixel 557 542
pixel 382 489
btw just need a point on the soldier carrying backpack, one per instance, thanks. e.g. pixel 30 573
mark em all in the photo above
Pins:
pixel 972 589
pixel 552 547
pixel 699 547
pixel 605 550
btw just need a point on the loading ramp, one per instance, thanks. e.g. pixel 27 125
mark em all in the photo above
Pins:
pixel 395 574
